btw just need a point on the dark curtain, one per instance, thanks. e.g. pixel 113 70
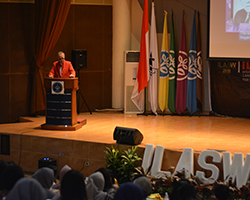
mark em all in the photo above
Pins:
pixel 50 19
pixel 230 88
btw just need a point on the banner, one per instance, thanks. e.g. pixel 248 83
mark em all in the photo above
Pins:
pixel 164 69
pixel 199 65
pixel 192 71
pixel 143 67
pixel 172 69
pixel 154 64
pixel 182 67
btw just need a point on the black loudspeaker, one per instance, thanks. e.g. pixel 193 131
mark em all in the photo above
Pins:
pixel 46 162
pixel 129 136
pixel 79 59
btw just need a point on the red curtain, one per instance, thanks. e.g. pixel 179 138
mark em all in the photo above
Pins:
pixel 50 19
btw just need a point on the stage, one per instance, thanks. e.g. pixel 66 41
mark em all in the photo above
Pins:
pixel 83 149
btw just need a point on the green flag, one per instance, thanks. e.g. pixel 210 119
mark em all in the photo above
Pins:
pixel 172 69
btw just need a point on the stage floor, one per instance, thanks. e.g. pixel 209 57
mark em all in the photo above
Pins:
pixel 173 132
pixel 84 148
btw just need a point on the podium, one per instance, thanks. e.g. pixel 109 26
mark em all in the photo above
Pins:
pixel 61 108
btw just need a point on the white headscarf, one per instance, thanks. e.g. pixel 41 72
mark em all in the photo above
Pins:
pixel 27 189
pixel 45 176
pixel 63 171
pixel 95 187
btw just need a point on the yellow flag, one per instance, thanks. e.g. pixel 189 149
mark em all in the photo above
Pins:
pixel 164 69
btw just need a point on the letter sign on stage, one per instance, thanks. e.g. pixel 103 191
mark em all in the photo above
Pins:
pixel 157 163
pixel 186 162
pixel 202 162
pixel 236 168
pixel 147 157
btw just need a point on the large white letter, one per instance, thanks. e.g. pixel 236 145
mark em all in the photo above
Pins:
pixel 157 163
pixel 186 162
pixel 147 157
pixel 202 162
pixel 236 168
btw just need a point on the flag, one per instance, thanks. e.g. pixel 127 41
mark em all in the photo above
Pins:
pixel 181 83
pixel 164 69
pixel 143 67
pixel 192 71
pixel 199 65
pixel 153 64
pixel 172 68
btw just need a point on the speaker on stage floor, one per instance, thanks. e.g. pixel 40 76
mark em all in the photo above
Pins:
pixel 79 59
pixel 129 136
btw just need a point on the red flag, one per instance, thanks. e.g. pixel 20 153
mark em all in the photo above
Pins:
pixel 182 70
pixel 143 67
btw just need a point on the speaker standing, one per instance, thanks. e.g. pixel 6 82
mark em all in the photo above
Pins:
pixel 62 68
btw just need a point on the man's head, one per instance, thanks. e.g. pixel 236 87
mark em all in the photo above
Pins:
pixel 246 5
pixel 61 56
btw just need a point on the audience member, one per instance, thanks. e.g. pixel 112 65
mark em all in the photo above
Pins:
pixel 221 192
pixel 72 186
pixel 109 186
pixel 27 189
pixel 107 179
pixel 95 187
pixel 144 183
pixel 3 165
pixel 183 190
pixel 45 176
pixel 129 191
pixel 11 174
pixel 64 170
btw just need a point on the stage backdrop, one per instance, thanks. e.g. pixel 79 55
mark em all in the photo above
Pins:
pixel 230 88
pixel 87 27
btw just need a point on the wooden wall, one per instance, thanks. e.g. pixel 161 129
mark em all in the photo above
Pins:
pixel 87 27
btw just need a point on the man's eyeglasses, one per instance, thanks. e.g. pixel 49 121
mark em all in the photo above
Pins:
pixel 60 58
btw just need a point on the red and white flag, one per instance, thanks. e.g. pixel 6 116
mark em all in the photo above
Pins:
pixel 143 67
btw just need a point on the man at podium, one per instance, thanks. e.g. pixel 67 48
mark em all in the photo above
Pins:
pixel 62 68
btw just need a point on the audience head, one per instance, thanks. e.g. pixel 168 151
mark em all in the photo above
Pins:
pixel 73 186
pixel 129 191
pixel 98 180
pixel 144 183
pixel 3 165
pixel 63 171
pixel 45 176
pixel 183 190
pixel 11 174
pixel 27 189
pixel 95 186
pixel 107 178
pixel 221 192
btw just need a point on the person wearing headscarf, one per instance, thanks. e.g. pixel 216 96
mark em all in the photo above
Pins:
pixel 10 175
pixel 3 165
pixel 45 176
pixel 109 182
pixel 95 187
pixel 63 171
pixel 27 189
pixel 144 183
pixel 72 186
pixel 129 191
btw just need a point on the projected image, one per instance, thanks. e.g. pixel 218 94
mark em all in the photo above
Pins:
pixel 238 17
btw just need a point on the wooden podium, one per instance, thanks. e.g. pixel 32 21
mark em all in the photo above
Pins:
pixel 61 110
